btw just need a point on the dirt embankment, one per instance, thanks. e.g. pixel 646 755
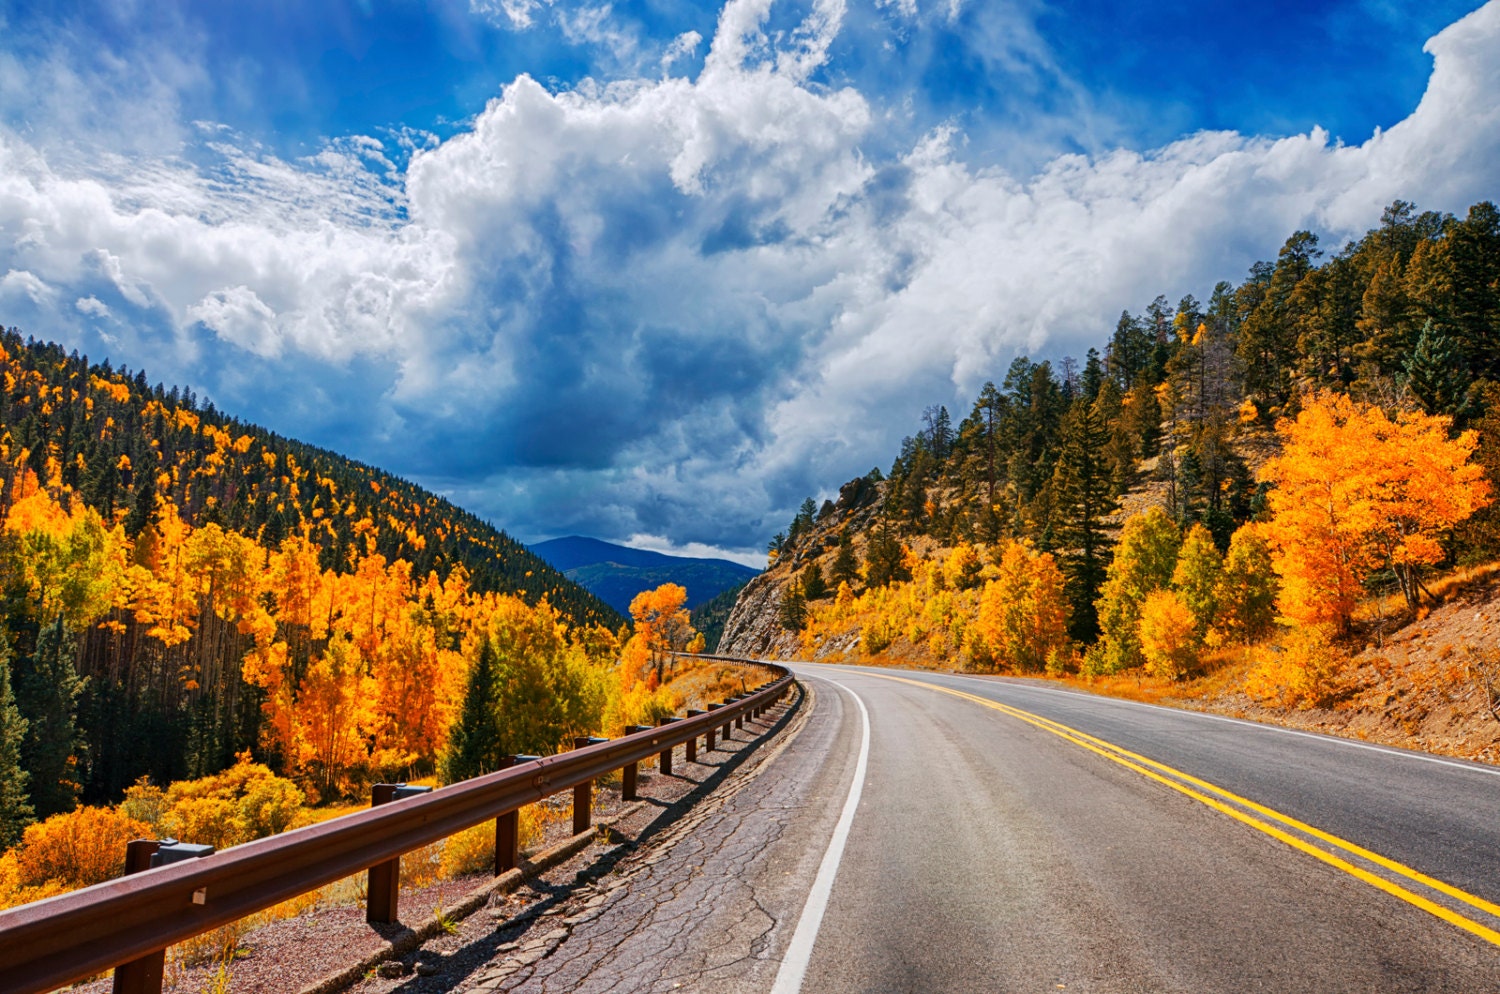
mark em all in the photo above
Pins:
pixel 1433 684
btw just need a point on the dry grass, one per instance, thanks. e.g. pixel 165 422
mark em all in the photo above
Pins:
pixel 1137 685
pixel 708 681
pixel 1391 606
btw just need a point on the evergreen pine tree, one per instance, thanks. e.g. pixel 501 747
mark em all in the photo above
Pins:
pixel 814 586
pixel 1093 375
pixel 985 423
pixel 1435 372
pixel 143 509
pixel 1083 497
pixel 939 431
pixel 806 514
pixel 47 695
pixel 15 808
pixel 884 559
pixel 845 565
pixel 793 607
pixel 1474 261
pixel 474 741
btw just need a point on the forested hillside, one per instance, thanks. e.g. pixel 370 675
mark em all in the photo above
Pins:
pixel 181 587
pixel 123 445
pixel 999 528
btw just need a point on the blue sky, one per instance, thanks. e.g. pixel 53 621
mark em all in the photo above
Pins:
pixel 656 271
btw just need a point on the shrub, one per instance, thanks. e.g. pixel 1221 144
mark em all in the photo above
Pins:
pixel 876 637
pixel 77 848
pixel 146 802
pixel 246 801
pixel 640 705
pixel 1301 672
pixel 470 851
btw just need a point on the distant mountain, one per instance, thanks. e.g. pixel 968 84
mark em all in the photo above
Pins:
pixel 615 573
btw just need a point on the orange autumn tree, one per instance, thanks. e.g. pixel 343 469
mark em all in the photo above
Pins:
pixel 662 626
pixel 1355 490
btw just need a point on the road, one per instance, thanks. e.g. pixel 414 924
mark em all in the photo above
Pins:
pixel 1015 836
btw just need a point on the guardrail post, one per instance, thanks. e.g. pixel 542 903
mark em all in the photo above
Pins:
pixel 144 975
pixel 739 719
pixel 383 881
pixel 583 794
pixel 508 826
pixel 665 760
pixel 728 731
pixel 629 775
pixel 692 743
pixel 708 737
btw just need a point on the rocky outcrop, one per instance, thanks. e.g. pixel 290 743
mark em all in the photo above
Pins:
pixel 754 626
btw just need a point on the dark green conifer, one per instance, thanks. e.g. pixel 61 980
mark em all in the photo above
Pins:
pixel 1436 373
pixel 814 586
pixel 1083 497
pixel 47 695
pixel 793 607
pixel 15 807
pixel 474 741
pixel 845 565
pixel 884 560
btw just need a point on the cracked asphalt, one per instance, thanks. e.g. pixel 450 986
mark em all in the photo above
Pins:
pixel 697 901
pixel 701 906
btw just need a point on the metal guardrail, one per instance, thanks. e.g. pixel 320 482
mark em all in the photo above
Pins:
pixel 59 940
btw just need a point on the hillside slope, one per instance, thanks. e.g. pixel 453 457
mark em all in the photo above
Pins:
pixel 121 443
pixel 180 588
pixel 1177 410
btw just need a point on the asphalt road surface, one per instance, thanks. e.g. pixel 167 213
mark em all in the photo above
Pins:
pixel 1015 836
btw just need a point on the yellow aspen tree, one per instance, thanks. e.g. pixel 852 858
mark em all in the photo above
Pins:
pixel 1145 559
pixel 1246 596
pixel 663 622
pixel 1168 635
pixel 1196 578
pixel 334 716
pixel 1023 615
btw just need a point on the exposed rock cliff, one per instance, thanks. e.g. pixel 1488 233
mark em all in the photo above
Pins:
pixel 754 627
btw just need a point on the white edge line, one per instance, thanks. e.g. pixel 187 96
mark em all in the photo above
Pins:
pixel 799 950
pixel 1245 722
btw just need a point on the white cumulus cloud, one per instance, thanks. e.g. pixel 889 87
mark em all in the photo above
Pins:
pixel 675 306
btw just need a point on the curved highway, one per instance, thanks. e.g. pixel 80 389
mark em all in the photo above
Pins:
pixel 919 832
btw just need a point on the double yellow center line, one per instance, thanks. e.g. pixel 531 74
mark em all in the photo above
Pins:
pixel 1260 818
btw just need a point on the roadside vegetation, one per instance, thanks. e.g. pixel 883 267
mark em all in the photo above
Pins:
pixel 1237 504
pixel 521 682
